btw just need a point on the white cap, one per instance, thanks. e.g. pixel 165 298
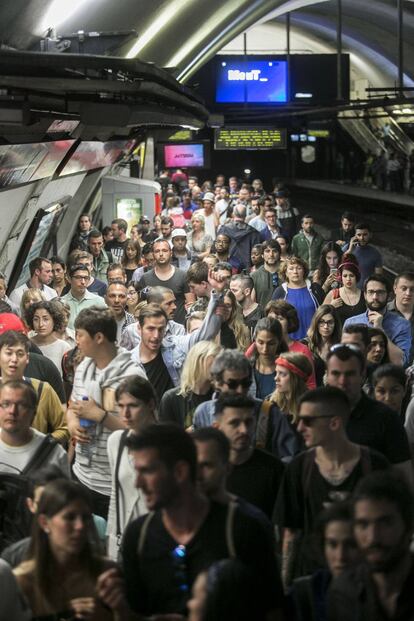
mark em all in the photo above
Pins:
pixel 178 233
pixel 209 196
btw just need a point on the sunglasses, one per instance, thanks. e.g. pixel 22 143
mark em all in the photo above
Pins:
pixel 233 384
pixel 308 420
pixel 179 559
pixel 346 347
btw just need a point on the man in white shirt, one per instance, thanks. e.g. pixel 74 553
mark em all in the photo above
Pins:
pixel 210 217
pixel 222 205
pixel 19 442
pixel 40 277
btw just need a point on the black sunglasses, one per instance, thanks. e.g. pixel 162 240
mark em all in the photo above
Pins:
pixel 179 559
pixel 233 383
pixel 308 420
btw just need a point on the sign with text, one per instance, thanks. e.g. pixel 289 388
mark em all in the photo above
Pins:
pixel 258 138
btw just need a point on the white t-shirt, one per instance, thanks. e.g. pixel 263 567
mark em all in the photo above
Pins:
pixel 13 459
pixel 16 295
pixel 55 352
pixel 221 209
pixel 210 227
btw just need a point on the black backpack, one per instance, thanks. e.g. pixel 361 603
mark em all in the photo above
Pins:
pixel 15 517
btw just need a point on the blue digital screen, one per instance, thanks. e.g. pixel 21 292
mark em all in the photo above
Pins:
pixel 253 81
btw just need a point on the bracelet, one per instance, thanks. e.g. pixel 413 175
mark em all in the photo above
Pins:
pixel 103 418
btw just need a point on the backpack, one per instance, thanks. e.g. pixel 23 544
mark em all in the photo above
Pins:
pixel 263 425
pixel 231 513
pixel 15 518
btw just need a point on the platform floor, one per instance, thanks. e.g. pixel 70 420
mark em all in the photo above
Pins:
pixel 335 187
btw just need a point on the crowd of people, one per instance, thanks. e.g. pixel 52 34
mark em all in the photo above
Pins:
pixel 208 415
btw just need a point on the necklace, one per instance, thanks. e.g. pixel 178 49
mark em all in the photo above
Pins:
pixel 348 298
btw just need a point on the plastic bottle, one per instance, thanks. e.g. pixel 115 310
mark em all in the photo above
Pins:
pixel 89 425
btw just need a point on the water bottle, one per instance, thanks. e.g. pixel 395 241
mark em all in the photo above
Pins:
pixel 87 449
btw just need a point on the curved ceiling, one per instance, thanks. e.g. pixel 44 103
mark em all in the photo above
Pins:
pixel 184 34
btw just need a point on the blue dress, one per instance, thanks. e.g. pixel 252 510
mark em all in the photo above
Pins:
pixel 305 306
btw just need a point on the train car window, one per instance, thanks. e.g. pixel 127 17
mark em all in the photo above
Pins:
pixel 90 155
pixel 40 241
pixel 21 163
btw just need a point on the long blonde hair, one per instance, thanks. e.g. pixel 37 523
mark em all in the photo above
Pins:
pixel 236 323
pixel 288 402
pixel 195 366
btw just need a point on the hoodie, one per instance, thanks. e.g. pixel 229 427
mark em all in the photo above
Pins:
pixel 92 465
pixel 243 237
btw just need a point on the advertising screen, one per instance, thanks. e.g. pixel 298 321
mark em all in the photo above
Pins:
pixel 251 81
pixel 184 155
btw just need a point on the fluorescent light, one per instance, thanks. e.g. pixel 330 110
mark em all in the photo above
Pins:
pixel 171 11
pixel 202 32
pixel 59 12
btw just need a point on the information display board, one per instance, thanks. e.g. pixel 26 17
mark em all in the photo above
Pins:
pixel 251 81
pixel 253 138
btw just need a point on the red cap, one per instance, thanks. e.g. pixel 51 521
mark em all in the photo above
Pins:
pixel 10 321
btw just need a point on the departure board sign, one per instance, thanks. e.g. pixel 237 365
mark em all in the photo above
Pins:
pixel 252 138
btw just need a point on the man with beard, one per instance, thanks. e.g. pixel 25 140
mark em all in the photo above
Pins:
pixel 397 329
pixel 255 474
pixel 267 277
pixel 185 532
pixel 381 587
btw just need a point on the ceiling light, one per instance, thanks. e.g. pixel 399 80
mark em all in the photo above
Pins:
pixel 59 12
pixel 171 12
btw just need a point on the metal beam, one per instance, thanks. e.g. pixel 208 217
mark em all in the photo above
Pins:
pixel 400 41
pixel 288 51
pixel 339 51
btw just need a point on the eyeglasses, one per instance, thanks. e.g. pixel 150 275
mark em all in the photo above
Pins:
pixel 131 294
pixel 233 384
pixel 21 406
pixel 179 559
pixel 376 292
pixel 308 420
pixel 328 324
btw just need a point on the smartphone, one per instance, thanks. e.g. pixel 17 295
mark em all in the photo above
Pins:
pixel 334 270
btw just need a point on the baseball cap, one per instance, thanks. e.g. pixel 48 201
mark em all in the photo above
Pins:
pixel 178 233
pixel 10 321
pixel 209 196
pixel 282 193
pixel 144 219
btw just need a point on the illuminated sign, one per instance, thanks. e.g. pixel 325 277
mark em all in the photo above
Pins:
pixel 259 138
pixel 258 81
pixel 319 133
pixel 182 134
pixel 178 155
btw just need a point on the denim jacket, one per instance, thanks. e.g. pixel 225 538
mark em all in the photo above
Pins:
pixel 174 348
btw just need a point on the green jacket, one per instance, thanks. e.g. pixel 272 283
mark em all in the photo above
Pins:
pixel 309 252
pixel 100 265
pixel 264 285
